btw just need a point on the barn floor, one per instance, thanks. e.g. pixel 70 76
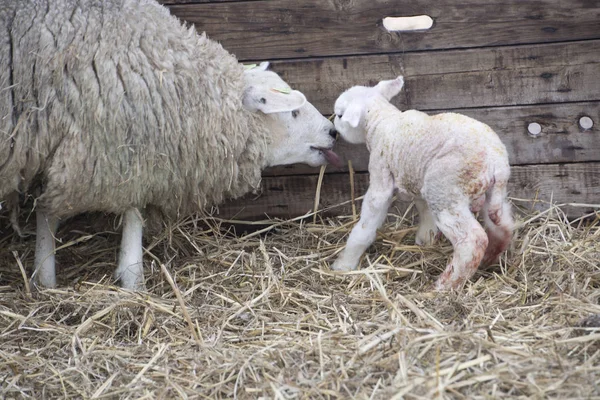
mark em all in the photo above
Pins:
pixel 265 318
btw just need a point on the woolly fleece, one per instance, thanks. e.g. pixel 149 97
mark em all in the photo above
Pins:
pixel 114 104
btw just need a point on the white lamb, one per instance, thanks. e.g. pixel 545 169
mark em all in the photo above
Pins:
pixel 116 106
pixel 452 166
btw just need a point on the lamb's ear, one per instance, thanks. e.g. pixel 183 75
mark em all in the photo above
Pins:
pixel 263 65
pixel 273 100
pixel 391 88
pixel 353 114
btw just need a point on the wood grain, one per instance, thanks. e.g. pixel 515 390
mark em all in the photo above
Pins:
pixel 561 140
pixel 170 2
pixel 436 80
pixel 276 29
pixel 292 196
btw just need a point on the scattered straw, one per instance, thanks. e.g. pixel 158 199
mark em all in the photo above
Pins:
pixel 352 196
pixel 268 319
pixel 318 192
pixel 23 273
pixel 182 306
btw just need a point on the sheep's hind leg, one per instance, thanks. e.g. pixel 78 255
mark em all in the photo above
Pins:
pixel 131 269
pixel 469 241
pixel 45 264
pixel 428 230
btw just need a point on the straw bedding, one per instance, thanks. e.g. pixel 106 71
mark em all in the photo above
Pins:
pixel 260 315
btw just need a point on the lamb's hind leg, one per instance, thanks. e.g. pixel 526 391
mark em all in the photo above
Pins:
pixel 469 241
pixel 428 230
pixel 131 270
pixel 497 217
pixel 44 273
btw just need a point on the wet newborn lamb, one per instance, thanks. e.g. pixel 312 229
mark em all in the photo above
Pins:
pixel 452 166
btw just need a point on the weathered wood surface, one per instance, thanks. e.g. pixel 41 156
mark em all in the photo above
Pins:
pixel 169 2
pixel 275 29
pixel 561 140
pixel 507 64
pixel 292 196
pixel 520 75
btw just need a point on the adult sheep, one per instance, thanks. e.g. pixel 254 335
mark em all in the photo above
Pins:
pixel 116 106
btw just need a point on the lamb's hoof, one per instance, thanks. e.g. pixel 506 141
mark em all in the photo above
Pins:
pixel 421 241
pixel 445 284
pixel 428 238
pixel 339 265
pixel 440 286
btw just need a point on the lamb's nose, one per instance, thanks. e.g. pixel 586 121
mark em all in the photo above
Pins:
pixel 333 133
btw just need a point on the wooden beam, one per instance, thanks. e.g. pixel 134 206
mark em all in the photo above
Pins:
pixel 521 75
pixel 170 2
pixel 292 196
pixel 275 29
pixel 561 140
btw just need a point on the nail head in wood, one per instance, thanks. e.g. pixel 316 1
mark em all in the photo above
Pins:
pixel 534 129
pixel 586 123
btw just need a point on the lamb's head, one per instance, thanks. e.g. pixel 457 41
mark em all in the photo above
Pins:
pixel 299 133
pixel 351 107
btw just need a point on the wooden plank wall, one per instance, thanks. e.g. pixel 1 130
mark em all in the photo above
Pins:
pixel 506 63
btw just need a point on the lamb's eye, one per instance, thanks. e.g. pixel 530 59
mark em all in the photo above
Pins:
pixel 295 113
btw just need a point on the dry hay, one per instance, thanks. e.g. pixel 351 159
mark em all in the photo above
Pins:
pixel 263 317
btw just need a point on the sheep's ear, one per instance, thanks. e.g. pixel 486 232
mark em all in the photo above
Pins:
pixel 353 114
pixel 273 100
pixel 391 88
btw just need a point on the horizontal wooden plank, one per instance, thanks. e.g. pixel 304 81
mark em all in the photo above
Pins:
pixel 274 29
pixel 550 73
pixel 561 140
pixel 292 196
pixel 170 2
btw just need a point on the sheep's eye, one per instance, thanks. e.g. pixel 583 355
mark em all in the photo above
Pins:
pixel 295 113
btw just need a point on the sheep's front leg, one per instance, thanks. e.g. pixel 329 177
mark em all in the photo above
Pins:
pixel 131 269
pixel 428 230
pixel 374 210
pixel 44 273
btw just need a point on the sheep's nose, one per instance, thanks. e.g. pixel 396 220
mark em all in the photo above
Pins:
pixel 333 133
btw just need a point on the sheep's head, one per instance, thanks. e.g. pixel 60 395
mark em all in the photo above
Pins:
pixel 300 134
pixel 351 106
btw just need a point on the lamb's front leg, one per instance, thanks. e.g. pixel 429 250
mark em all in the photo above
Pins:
pixel 374 210
pixel 131 268
pixel 44 273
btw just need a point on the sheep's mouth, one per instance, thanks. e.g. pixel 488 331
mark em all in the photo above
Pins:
pixel 329 155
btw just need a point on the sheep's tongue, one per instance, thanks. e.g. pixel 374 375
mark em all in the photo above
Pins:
pixel 332 158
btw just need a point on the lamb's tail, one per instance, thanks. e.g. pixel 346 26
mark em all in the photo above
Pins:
pixel 498 220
